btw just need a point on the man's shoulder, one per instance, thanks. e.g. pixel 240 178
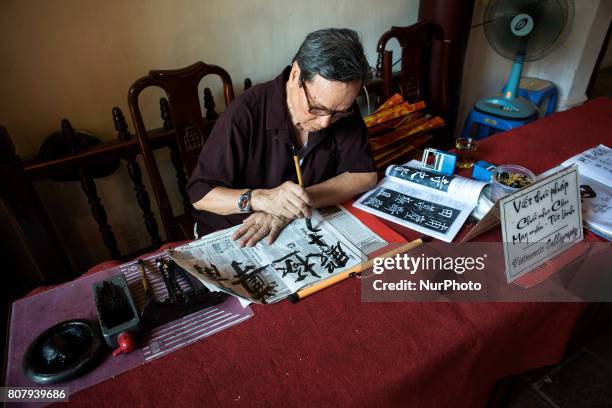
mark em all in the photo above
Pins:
pixel 252 100
pixel 245 114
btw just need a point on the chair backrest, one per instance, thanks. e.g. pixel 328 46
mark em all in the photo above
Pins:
pixel 424 65
pixel 181 87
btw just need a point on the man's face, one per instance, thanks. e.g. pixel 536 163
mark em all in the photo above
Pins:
pixel 319 102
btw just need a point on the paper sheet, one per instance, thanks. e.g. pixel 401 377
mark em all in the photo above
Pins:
pixel 268 273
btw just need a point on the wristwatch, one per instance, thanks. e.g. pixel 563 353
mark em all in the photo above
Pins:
pixel 244 202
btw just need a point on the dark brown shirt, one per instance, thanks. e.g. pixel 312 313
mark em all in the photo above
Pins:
pixel 250 147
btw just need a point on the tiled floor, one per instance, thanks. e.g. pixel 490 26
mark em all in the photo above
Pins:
pixel 584 379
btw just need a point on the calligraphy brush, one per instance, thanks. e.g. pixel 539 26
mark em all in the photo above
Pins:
pixel 296 161
pixel 357 269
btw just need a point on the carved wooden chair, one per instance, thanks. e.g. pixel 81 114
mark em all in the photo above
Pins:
pixel 424 65
pixel 185 116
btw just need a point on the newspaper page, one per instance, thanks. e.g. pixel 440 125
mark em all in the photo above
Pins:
pixel 595 168
pixel 428 202
pixel 366 240
pixel 595 163
pixel 268 273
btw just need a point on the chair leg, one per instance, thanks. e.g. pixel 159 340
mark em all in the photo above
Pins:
pixel 552 104
pixel 484 131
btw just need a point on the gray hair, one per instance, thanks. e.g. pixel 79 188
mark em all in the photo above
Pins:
pixel 333 53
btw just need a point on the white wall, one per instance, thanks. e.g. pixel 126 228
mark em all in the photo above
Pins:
pixel 77 59
pixel 569 66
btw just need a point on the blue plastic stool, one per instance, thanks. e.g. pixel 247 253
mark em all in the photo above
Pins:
pixel 489 124
pixel 539 91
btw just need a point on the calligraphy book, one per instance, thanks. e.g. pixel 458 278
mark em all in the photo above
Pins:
pixel 425 201
pixel 298 258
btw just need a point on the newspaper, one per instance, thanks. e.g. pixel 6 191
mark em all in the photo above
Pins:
pixel 268 273
pixel 353 229
pixel 595 168
pixel 595 163
pixel 425 201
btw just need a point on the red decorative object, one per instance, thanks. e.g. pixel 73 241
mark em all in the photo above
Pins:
pixel 126 344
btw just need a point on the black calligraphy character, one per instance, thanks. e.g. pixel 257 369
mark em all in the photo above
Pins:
pixel 334 257
pixel 262 290
pixel 211 273
pixel 309 227
pixel 317 240
pixel 250 279
pixel 298 265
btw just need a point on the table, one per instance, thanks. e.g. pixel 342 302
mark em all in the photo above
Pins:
pixel 331 349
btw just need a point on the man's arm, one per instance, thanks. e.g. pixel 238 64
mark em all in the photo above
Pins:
pixel 261 224
pixel 340 188
pixel 220 200
pixel 289 199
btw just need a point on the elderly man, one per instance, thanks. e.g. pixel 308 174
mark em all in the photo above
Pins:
pixel 246 172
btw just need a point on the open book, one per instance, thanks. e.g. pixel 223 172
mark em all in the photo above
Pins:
pixel 298 258
pixel 428 202
pixel 595 169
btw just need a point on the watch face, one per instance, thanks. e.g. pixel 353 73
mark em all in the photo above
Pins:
pixel 243 202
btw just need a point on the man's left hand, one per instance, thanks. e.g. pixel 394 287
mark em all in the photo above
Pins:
pixel 258 226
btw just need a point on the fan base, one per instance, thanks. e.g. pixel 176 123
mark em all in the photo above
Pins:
pixel 517 108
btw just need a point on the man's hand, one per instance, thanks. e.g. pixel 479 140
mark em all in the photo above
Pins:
pixel 259 225
pixel 288 200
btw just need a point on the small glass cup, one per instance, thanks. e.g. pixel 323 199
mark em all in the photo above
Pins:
pixel 466 152
pixel 508 172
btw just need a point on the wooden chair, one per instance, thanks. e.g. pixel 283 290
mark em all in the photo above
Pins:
pixel 181 87
pixel 424 65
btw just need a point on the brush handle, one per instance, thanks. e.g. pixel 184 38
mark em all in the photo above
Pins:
pixel 301 294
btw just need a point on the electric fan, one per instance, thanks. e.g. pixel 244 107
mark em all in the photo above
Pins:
pixel 522 30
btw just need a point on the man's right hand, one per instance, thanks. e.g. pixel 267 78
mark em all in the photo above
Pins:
pixel 287 200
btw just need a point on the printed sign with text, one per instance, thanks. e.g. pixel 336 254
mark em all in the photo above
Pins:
pixel 540 221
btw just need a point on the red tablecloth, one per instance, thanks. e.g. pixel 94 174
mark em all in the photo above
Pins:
pixel 331 349
pixel 541 145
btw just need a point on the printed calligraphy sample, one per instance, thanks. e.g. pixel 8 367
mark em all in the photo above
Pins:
pixel 428 202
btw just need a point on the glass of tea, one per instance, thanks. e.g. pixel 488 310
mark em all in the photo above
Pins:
pixel 466 152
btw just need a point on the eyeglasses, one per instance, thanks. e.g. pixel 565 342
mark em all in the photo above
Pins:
pixel 319 111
